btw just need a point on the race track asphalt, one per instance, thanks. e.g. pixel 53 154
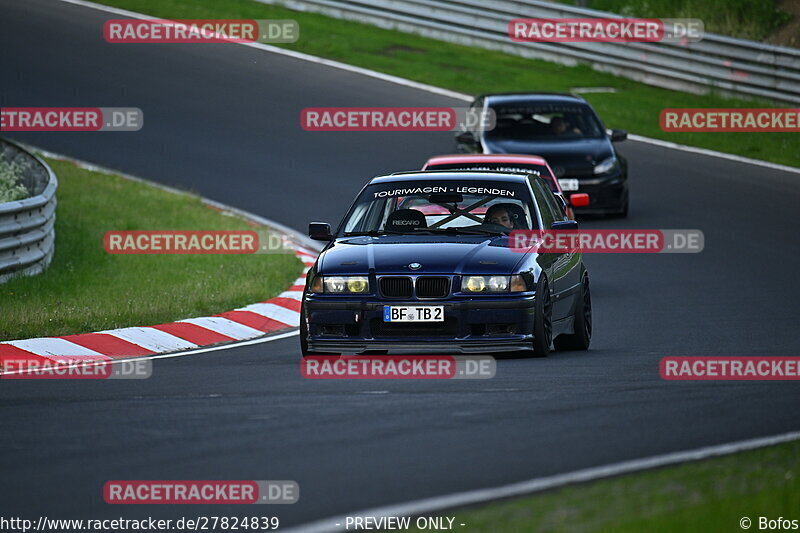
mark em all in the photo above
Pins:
pixel 223 120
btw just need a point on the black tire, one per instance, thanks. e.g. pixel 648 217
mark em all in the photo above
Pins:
pixel 304 337
pixel 582 336
pixel 542 321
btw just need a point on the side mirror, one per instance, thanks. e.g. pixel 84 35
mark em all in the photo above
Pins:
pixel 580 199
pixel 564 224
pixel 618 135
pixel 319 231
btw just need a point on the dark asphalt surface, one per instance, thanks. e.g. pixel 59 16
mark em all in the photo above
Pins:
pixel 223 120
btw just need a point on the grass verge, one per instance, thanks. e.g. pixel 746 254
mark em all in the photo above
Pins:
pixel 745 19
pixel 86 289
pixel 709 496
pixel 634 106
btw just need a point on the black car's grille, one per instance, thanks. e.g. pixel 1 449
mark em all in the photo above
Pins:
pixel 432 287
pixel 396 287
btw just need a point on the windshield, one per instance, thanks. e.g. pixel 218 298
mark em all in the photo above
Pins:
pixel 446 206
pixel 513 168
pixel 545 122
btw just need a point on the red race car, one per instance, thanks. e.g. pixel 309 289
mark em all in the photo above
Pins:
pixel 525 164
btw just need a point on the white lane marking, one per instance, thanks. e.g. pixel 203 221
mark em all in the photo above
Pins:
pixel 462 499
pixel 294 295
pixel 188 352
pixel 54 346
pixel 225 326
pixel 438 90
pixel 713 153
pixel 153 339
pixel 275 312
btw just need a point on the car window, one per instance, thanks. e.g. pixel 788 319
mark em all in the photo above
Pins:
pixel 449 205
pixel 555 205
pixel 547 203
pixel 545 121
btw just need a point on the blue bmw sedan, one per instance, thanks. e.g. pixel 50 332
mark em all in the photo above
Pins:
pixel 422 262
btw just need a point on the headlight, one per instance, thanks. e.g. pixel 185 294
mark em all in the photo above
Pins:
pixel 493 284
pixel 341 284
pixel 606 166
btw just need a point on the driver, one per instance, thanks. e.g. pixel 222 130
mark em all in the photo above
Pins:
pixel 559 126
pixel 498 214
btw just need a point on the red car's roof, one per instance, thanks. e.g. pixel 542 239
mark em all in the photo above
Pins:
pixel 485 158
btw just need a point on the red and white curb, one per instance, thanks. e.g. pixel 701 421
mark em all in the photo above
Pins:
pixel 279 313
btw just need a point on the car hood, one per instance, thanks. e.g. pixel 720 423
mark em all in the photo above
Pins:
pixel 393 255
pixel 578 154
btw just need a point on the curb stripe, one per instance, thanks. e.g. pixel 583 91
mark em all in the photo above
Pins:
pixel 108 344
pixel 194 333
pixel 152 339
pixel 55 346
pixel 9 352
pixel 254 320
pixel 294 295
pixel 275 312
pixel 288 303
pixel 224 326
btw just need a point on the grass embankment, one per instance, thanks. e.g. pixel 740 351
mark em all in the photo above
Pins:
pixel 634 106
pixel 746 19
pixel 86 289
pixel 707 496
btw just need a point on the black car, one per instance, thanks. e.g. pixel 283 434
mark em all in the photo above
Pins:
pixel 566 131
pixel 422 261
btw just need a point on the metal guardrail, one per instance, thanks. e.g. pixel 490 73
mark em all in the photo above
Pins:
pixel 731 66
pixel 27 234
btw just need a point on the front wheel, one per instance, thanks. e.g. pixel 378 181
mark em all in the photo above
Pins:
pixel 582 336
pixel 542 322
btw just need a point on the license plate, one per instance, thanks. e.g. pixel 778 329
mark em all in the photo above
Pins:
pixel 403 313
pixel 569 184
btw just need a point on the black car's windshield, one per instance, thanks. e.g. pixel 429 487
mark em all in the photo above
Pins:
pixel 441 207
pixel 550 122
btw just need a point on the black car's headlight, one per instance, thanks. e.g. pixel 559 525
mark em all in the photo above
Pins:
pixel 607 165
pixel 493 284
pixel 340 284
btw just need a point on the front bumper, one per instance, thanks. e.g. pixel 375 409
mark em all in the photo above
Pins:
pixel 477 325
